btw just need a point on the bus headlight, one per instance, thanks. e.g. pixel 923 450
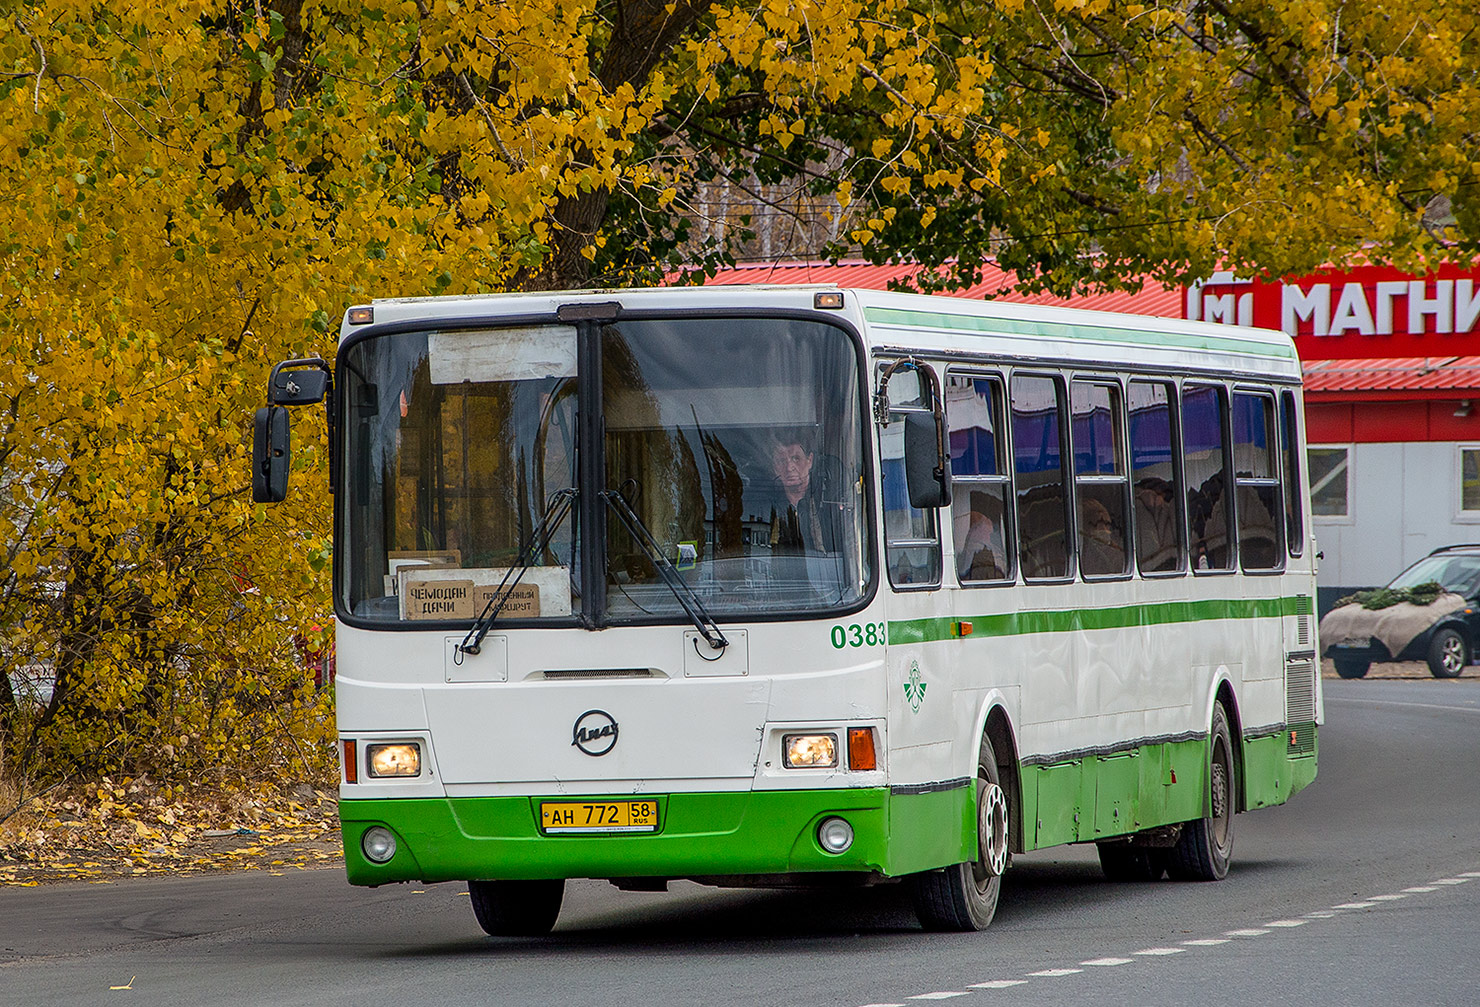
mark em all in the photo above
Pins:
pixel 378 843
pixel 809 751
pixel 400 759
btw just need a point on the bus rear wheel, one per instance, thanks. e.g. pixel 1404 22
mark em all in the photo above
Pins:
pixel 516 908
pixel 963 897
pixel 1206 845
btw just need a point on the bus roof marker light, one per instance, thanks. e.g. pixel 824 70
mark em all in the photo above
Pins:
pixel 835 835
pixel 830 300
pixel 361 316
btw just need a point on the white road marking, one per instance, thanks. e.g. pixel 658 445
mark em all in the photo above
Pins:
pixel 1202 942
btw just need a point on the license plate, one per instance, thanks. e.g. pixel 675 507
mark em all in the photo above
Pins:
pixel 598 816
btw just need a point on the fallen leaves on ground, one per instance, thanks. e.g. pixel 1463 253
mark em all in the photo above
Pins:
pixel 135 827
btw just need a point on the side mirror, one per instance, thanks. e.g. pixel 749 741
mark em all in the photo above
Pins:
pixel 927 470
pixel 298 382
pixel 271 454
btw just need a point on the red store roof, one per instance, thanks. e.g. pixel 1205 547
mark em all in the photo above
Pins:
pixel 1152 299
pixel 1401 378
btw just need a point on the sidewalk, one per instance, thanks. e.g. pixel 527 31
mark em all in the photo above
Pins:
pixel 1401 669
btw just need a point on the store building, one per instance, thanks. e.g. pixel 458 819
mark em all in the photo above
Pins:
pixel 1392 393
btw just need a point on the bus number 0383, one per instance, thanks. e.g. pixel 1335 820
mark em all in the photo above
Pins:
pixel 868 634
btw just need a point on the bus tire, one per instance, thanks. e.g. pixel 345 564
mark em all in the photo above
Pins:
pixel 516 908
pixel 963 897
pixel 1206 845
pixel 1352 669
pixel 1123 862
pixel 1448 654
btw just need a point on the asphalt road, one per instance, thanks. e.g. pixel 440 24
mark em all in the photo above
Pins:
pixel 1365 889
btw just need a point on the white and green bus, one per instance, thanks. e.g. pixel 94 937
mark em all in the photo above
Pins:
pixel 783 585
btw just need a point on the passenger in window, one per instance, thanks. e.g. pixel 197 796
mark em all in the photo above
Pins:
pixel 1208 516
pixel 1101 550
pixel 801 520
pixel 1156 525
pixel 979 551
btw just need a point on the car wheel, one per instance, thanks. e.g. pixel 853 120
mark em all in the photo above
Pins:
pixel 1206 845
pixel 963 897
pixel 1448 654
pixel 516 908
pixel 1351 668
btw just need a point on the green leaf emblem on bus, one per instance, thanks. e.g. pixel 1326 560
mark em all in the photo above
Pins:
pixel 914 689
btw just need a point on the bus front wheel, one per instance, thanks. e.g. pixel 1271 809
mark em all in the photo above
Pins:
pixel 1206 845
pixel 963 897
pixel 516 908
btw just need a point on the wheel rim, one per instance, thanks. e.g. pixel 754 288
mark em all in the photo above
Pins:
pixel 1453 657
pixel 991 827
pixel 1222 793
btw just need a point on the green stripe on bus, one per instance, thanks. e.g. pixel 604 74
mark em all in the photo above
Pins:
pixel 1124 617
pixel 904 317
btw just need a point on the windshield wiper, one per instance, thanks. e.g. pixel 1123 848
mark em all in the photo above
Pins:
pixel 701 619
pixel 556 510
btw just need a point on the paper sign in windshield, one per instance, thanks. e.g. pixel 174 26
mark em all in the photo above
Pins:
pixel 439 599
pixel 523 602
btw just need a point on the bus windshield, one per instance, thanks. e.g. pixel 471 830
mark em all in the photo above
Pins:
pixel 737 443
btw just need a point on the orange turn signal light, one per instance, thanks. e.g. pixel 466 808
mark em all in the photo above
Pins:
pixel 861 754
pixel 351 762
pixel 961 628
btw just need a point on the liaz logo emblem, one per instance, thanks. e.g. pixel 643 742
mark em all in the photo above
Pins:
pixel 595 732
pixel 914 689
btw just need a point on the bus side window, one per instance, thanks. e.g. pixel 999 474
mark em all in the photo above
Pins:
pixel 980 525
pixel 1100 483
pixel 1041 473
pixel 1290 474
pixel 1257 482
pixel 1158 506
pixel 911 535
pixel 1205 467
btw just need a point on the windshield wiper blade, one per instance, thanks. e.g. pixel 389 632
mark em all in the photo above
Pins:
pixel 556 510
pixel 708 628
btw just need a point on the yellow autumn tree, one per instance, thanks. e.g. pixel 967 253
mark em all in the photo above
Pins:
pixel 192 190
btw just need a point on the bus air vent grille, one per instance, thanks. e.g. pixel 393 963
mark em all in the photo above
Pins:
pixel 1302 604
pixel 1300 704
pixel 1302 631
pixel 569 674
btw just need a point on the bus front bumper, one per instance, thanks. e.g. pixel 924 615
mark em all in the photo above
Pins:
pixel 699 835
